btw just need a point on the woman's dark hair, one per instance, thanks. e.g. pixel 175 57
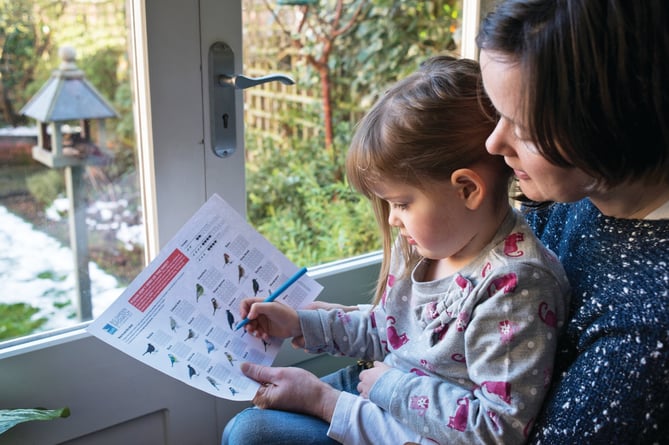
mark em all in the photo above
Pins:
pixel 595 74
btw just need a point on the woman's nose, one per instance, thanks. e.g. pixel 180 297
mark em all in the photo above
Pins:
pixel 500 140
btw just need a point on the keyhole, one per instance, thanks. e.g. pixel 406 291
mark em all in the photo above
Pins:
pixel 225 120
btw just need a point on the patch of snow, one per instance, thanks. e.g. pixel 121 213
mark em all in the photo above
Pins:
pixel 37 269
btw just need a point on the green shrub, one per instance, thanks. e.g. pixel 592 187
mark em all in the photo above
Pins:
pixel 297 201
pixel 46 186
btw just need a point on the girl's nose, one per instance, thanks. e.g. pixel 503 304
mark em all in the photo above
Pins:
pixel 393 220
pixel 500 140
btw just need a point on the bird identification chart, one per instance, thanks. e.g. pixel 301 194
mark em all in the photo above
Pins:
pixel 180 314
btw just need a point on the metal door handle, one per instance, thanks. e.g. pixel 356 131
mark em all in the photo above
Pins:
pixel 241 82
pixel 222 96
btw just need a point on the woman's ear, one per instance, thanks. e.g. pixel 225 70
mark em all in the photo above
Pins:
pixel 469 186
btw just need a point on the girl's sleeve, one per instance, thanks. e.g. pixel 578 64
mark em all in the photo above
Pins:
pixel 510 342
pixel 351 334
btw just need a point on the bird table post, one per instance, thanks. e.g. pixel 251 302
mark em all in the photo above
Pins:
pixel 74 182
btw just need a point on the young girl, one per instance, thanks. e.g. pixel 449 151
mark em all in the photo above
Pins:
pixel 468 305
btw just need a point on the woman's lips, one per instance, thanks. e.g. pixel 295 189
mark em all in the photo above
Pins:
pixel 520 174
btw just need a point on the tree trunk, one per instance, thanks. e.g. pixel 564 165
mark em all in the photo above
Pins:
pixel 324 74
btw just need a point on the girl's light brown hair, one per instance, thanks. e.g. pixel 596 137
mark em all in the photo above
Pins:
pixel 423 128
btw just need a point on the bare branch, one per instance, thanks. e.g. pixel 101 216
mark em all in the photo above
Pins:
pixel 351 22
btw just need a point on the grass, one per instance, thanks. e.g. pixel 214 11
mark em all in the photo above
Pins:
pixel 17 320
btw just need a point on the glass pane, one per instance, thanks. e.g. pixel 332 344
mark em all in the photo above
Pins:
pixel 342 55
pixel 40 286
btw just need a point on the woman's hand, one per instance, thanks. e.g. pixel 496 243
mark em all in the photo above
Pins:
pixel 270 319
pixel 292 389
pixel 369 376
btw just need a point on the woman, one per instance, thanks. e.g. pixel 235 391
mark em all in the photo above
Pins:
pixel 580 87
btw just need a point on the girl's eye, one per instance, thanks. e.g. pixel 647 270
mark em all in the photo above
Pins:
pixel 399 206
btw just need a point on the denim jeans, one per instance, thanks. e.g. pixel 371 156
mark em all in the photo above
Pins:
pixel 255 426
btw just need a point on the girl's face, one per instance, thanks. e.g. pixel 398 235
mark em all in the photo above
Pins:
pixel 435 224
pixel 538 178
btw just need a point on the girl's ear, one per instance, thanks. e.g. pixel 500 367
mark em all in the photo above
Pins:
pixel 469 186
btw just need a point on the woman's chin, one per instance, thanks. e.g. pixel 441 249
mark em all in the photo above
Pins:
pixel 531 192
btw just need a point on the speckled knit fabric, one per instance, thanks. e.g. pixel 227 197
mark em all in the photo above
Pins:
pixel 612 369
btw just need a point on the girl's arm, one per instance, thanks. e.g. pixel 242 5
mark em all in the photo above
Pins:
pixel 337 332
pixel 298 341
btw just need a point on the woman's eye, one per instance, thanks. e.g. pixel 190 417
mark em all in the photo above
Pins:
pixel 399 206
pixel 520 133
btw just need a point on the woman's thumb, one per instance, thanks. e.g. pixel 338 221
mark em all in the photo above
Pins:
pixel 253 371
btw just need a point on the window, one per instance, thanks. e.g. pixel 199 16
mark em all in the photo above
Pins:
pixel 40 290
pixel 297 194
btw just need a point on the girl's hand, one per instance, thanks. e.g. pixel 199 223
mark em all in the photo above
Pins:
pixel 369 376
pixel 270 319
pixel 292 389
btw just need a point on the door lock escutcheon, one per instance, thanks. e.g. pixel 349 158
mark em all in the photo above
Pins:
pixel 222 96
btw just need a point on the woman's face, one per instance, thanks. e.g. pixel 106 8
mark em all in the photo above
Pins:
pixel 539 179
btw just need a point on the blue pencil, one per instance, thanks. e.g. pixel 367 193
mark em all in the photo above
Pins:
pixel 276 293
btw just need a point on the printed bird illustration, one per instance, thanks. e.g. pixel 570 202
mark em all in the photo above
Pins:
pixel 256 287
pixel 213 382
pixel 214 303
pixel 233 391
pixel 150 349
pixel 231 318
pixel 226 258
pixel 191 334
pixel 199 291
pixel 173 324
pixel 192 372
pixel 230 358
pixel 173 359
pixel 210 346
pixel 241 273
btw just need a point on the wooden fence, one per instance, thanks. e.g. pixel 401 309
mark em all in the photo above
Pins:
pixel 267 50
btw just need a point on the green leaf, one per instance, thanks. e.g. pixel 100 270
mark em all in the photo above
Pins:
pixel 12 417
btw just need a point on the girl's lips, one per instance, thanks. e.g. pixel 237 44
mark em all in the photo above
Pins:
pixel 410 240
